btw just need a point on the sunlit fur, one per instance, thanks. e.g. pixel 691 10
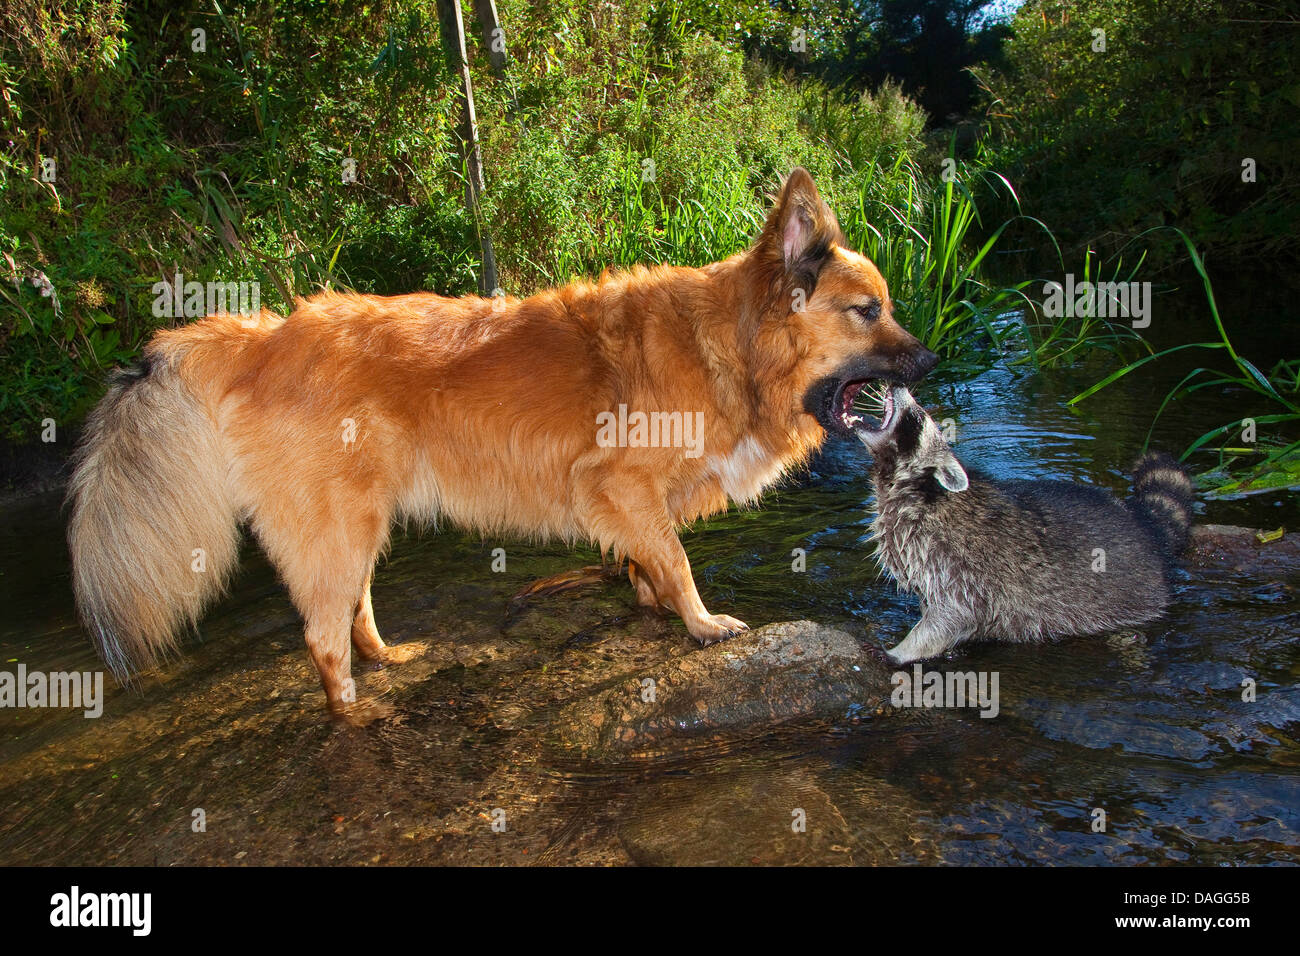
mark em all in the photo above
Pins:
pixel 478 412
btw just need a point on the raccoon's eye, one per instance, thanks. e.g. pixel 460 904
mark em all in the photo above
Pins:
pixel 868 312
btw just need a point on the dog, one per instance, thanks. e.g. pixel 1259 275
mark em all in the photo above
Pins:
pixel 321 429
pixel 1017 561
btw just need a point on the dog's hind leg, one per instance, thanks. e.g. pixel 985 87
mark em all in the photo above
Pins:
pixel 365 635
pixel 325 557
pixel 327 642
pixel 326 585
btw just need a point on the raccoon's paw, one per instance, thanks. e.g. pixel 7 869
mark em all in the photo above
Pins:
pixel 918 648
pixel 879 655
pixel 892 656
pixel 716 627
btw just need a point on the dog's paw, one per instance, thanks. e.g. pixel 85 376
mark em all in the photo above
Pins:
pixel 362 713
pixel 401 653
pixel 716 627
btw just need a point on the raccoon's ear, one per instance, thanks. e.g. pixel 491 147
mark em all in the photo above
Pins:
pixel 801 229
pixel 951 475
pixel 935 454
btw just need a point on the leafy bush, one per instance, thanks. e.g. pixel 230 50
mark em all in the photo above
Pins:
pixel 1154 130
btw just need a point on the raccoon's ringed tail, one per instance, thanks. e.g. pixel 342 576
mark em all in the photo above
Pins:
pixel 1162 496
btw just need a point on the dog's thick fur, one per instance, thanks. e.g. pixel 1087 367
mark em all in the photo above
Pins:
pixel 321 429
pixel 1017 561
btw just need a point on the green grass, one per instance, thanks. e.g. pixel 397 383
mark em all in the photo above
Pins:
pixel 935 268
pixel 1238 471
pixel 935 253
pixel 1061 340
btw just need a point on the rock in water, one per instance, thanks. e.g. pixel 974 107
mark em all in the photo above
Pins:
pixel 757 679
pixel 1228 547
pixel 751 818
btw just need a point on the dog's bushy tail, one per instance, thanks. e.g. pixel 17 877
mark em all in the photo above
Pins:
pixel 152 531
pixel 1162 498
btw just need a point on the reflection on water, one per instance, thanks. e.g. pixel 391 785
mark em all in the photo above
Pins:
pixel 1150 728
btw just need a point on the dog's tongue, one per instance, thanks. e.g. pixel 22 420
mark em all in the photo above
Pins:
pixel 851 392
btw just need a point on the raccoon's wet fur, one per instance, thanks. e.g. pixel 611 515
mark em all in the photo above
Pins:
pixel 1017 561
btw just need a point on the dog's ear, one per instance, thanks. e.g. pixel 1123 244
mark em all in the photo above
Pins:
pixel 800 230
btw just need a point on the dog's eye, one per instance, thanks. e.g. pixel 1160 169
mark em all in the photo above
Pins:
pixel 867 313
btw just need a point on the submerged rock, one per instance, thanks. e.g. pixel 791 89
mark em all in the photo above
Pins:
pixel 764 677
pixel 742 819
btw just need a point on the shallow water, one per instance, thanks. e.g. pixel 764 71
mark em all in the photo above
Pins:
pixel 1150 728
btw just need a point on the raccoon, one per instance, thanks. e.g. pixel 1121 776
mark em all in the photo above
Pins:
pixel 1018 561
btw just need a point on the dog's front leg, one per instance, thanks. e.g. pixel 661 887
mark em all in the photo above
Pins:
pixel 939 631
pixel 662 561
pixel 645 534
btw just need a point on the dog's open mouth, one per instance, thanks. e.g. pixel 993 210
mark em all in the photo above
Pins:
pixel 844 404
pixel 875 408
pixel 843 407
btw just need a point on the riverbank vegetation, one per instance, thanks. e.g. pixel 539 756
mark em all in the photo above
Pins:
pixel 975 151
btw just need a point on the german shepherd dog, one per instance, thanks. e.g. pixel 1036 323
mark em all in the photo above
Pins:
pixel 320 430
pixel 1017 561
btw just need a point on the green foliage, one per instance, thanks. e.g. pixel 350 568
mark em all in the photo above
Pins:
pixel 1154 130
pixel 224 162
pixel 221 163
pixel 927 44
pixel 1278 391
pixel 618 150
pixel 1061 340
pixel 1243 472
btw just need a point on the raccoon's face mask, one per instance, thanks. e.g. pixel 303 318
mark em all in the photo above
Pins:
pixel 908 442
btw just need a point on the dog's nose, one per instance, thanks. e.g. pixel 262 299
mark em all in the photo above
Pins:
pixel 916 364
pixel 926 362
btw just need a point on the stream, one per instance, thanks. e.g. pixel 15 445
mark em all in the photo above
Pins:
pixel 227 757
